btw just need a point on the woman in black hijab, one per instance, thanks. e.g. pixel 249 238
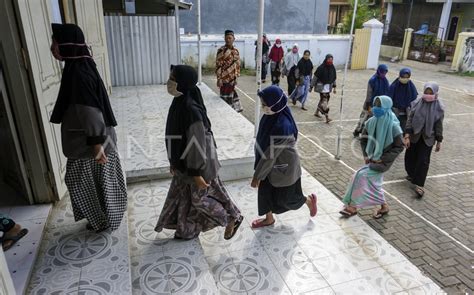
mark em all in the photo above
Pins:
pixel 94 176
pixel 325 82
pixel 197 200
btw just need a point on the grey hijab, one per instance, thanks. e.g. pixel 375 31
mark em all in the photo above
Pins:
pixel 291 59
pixel 426 114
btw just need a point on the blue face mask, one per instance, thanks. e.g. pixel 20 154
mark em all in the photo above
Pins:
pixel 378 112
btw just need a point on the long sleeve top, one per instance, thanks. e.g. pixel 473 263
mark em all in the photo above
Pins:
pixel 437 135
pixel 280 163
pixel 368 98
pixel 390 153
pixel 82 128
pixel 227 64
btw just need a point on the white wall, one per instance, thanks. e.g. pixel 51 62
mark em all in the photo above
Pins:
pixel 319 45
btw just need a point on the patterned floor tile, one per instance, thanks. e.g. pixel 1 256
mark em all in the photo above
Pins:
pixel 336 269
pixel 143 237
pixel 344 222
pixel 427 289
pixel 213 241
pixel 99 279
pixel 327 244
pixel 407 275
pixel 360 286
pixel 381 281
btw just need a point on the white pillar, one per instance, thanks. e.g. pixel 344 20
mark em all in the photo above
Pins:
pixel 376 33
pixel 388 18
pixel 444 20
pixel 261 15
pixel 199 41
pixel 178 34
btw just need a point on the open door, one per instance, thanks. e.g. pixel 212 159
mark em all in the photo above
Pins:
pixel 44 71
pixel 90 17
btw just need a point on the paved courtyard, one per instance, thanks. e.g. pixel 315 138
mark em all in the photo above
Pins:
pixel 436 233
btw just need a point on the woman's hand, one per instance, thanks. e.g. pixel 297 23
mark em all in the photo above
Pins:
pixel 172 170
pixel 438 146
pixel 200 182
pixel 366 160
pixel 255 183
pixel 99 154
pixel 406 141
pixel 334 91
pixel 219 83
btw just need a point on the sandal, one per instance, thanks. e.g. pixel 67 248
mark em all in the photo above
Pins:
pixel 420 192
pixel 237 224
pixel 14 239
pixel 379 214
pixel 346 213
pixel 318 115
pixel 314 205
pixel 304 109
pixel 258 223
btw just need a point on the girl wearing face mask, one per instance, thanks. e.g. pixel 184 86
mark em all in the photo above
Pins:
pixel 381 144
pixel 277 165
pixel 276 58
pixel 403 92
pixel 303 73
pixel 291 61
pixel 424 129
pixel 197 200
pixel 94 175
pixel 325 82
pixel 378 85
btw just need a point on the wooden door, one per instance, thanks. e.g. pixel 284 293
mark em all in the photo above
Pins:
pixel 360 51
pixel 35 19
pixel 90 17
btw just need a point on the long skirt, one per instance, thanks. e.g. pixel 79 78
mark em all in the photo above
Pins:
pixel 323 105
pixel 98 191
pixel 301 92
pixel 191 211
pixel 275 72
pixel 365 189
pixel 230 96
pixel 417 161
pixel 279 199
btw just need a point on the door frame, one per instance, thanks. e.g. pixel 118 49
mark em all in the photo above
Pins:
pixel 24 104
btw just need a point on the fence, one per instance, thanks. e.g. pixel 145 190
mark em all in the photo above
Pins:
pixel 141 49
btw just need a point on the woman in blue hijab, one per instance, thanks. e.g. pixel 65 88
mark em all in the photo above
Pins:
pixel 277 165
pixel 403 92
pixel 378 85
pixel 381 144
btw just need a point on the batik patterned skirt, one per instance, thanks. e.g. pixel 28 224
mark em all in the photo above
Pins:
pixel 98 191
pixel 191 211
pixel 230 96
pixel 365 189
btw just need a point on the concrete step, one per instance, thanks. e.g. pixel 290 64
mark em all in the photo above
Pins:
pixel 142 112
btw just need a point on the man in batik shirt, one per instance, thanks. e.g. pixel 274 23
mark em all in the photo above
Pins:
pixel 227 71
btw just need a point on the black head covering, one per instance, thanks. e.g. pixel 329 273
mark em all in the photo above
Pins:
pixel 81 82
pixel 228 32
pixel 184 111
pixel 326 73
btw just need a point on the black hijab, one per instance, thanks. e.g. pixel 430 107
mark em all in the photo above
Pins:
pixel 184 111
pixel 326 73
pixel 305 66
pixel 81 82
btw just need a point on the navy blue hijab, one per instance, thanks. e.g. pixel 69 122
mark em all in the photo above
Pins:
pixel 279 124
pixel 403 94
pixel 379 82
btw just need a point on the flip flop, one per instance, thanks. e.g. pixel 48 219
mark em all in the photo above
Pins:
pixel 347 213
pixel 420 192
pixel 380 214
pixel 14 239
pixel 314 205
pixel 237 224
pixel 258 223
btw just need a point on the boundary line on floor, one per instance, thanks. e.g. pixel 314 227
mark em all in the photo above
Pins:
pixel 433 176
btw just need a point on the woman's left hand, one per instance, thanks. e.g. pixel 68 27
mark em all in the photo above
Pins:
pixel 255 183
pixel 438 147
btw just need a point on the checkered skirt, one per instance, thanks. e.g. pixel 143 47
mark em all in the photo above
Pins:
pixel 98 192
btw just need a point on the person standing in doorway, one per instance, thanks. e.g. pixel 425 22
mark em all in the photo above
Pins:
pixel 197 200
pixel 303 73
pixel 277 165
pixel 265 59
pixel 378 85
pixel 403 93
pixel 276 59
pixel 424 129
pixel 94 175
pixel 291 61
pixel 324 82
pixel 228 70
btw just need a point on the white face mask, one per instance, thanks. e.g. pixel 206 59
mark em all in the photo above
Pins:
pixel 267 110
pixel 172 86
pixel 404 80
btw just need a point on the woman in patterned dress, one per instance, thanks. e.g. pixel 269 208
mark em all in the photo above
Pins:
pixel 197 200
pixel 94 176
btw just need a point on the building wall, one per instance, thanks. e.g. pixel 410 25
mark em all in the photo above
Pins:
pixel 467 11
pixel 422 12
pixel 281 16
pixel 337 45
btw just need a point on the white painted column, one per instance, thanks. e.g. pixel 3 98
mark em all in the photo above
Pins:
pixel 376 33
pixel 261 15
pixel 199 41
pixel 444 20
pixel 388 18
pixel 178 34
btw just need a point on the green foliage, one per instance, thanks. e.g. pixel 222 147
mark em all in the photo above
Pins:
pixel 364 13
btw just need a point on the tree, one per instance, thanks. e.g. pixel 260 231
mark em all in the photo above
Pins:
pixel 364 13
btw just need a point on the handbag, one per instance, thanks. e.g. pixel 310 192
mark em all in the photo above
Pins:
pixel 319 87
